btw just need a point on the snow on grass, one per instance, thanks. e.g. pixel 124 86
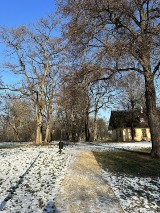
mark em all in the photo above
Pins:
pixel 135 194
pixel 14 143
pixel 114 146
pixel 30 178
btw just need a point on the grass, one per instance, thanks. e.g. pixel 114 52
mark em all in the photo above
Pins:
pixel 134 163
pixel 10 146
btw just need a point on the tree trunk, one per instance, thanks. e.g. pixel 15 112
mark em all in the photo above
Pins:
pixel 47 135
pixel 95 136
pixel 39 133
pixel 87 132
pixel 132 117
pixel 132 125
pixel 39 127
pixel 153 115
pixel 73 127
pixel 132 132
pixel 48 127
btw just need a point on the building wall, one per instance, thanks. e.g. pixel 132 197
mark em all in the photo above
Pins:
pixel 139 136
pixel 124 134
pixel 127 134
pixel 117 134
pixel 114 135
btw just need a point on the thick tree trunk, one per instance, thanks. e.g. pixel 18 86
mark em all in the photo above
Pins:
pixel 39 133
pixel 39 127
pixel 47 135
pixel 48 127
pixel 153 115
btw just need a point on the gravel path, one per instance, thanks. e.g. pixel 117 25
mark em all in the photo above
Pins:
pixel 83 189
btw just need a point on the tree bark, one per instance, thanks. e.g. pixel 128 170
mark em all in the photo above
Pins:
pixel 87 132
pixel 132 124
pixel 39 127
pixel 95 136
pixel 48 126
pixel 153 115
pixel 47 135
pixel 39 132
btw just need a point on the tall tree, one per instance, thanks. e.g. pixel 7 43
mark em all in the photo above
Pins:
pixel 123 36
pixel 35 56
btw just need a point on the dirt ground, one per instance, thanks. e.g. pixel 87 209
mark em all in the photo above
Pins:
pixel 84 191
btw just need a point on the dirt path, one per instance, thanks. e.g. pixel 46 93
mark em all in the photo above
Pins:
pixel 83 189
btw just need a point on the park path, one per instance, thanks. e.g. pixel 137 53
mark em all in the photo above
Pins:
pixel 83 189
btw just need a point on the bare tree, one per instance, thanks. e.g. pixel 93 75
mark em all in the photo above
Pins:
pixel 132 91
pixel 102 95
pixel 18 123
pixel 34 55
pixel 132 96
pixel 123 36
pixel 71 109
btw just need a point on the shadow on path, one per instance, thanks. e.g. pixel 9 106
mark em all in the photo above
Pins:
pixel 13 189
pixel 50 208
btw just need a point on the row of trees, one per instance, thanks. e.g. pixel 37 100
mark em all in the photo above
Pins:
pixel 53 100
pixel 52 86
pixel 104 48
pixel 18 123
pixel 34 54
pixel 119 36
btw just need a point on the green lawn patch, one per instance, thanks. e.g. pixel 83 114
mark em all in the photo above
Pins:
pixel 132 163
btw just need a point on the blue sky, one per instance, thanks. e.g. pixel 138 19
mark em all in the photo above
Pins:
pixel 17 12
pixel 21 12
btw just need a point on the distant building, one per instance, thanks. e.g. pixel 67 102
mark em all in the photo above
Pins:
pixel 127 124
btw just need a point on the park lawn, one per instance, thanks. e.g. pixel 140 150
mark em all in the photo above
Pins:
pixel 133 163
pixel 10 147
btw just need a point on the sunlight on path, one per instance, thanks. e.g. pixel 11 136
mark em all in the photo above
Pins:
pixel 84 190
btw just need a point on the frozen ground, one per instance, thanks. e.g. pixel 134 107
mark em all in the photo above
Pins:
pixel 135 194
pixel 30 178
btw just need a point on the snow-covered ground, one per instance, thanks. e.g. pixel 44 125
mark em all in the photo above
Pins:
pixel 14 143
pixel 115 146
pixel 30 177
pixel 135 194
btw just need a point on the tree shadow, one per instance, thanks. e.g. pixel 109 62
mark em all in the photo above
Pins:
pixel 50 208
pixel 141 152
pixel 128 162
pixel 13 188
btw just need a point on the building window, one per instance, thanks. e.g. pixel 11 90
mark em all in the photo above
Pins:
pixel 144 134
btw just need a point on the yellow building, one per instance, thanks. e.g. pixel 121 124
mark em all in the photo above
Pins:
pixel 129 126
